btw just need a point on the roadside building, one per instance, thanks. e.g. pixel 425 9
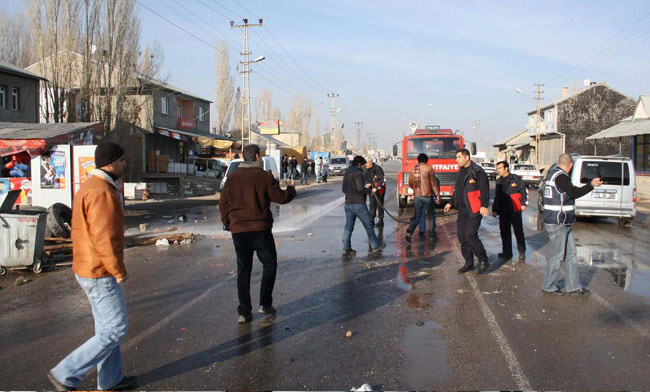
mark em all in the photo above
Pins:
pixel 19 94
pixel 516 148
pixel 637 127
pixel 565 123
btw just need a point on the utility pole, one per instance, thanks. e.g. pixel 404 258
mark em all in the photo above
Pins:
pixel 477 128
pixel 246 83
pixel 334 138
pixel 358 124
pixel 537 118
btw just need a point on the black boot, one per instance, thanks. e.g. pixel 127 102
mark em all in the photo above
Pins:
pixel 380 222
pixel 482 267
pixel 466 268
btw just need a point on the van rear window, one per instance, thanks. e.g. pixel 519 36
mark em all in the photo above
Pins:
pixel 612 173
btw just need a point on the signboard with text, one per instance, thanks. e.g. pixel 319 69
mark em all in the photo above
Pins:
pixel 270 127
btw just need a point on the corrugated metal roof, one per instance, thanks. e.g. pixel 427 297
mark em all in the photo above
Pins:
pixel 624 128
pixel 171 87
pixel 514 139
pixel 200 134
pixel 14 69
pixel 16 131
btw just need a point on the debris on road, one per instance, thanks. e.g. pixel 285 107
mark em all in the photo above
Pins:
pixel 182 218
pixel 21 281
pixel 363 388
pixel 348 334
pixel 170 221
pixel 310 234
pixel 162 242
pixel 154 240
pixel 143 227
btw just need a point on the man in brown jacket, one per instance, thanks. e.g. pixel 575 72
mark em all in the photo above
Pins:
pixel 98 264
pixel 424 183
pixel 244 205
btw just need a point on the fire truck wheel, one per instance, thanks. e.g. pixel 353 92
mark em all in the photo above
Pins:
pixel 401 202
pixel 59 217
pixel 3 271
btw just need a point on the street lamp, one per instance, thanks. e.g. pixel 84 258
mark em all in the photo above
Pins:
pixel 257 60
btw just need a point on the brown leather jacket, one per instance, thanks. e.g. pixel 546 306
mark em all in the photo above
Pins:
pixel 245 201
pixel 423 181
pixel 98 229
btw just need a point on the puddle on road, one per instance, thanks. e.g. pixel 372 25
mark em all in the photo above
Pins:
pixel 626 271
pixel 424 355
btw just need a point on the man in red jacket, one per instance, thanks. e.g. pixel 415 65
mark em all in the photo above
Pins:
pixel 244 205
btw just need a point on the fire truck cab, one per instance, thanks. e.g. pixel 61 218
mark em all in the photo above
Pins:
pixel 440 145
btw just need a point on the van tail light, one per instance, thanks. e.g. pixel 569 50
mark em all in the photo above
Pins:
pixel 634 196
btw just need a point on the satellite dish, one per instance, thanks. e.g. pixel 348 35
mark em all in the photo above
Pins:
pixel 93 49
pixel 587 82
pixel 413 126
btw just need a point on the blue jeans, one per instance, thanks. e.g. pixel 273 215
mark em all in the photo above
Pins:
pixel 352 212
pixel 424 204
pixel 102 350
pixel 563 248
pixel 303 180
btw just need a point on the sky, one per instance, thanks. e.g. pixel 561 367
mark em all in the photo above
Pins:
pixel 447 63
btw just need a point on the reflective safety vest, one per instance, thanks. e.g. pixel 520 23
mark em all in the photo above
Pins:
pixel 559 208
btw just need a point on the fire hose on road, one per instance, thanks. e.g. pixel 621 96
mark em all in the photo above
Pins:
pixel 397 219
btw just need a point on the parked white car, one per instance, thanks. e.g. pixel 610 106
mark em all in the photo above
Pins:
pixel 490 169
pixel 527 172
pixel 269 165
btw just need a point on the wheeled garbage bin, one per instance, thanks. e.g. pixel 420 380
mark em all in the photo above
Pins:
pixel 22 235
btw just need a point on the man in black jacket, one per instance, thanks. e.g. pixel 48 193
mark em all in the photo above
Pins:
pixel 304 168
pixel 375 176
pixel 355 189
pixel 510 201
pixel 471 198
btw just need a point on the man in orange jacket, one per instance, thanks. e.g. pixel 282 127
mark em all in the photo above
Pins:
pixel 98 265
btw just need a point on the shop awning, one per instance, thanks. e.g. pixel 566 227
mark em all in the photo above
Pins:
pixel 34 138
pixel 627 127
pixel 202 138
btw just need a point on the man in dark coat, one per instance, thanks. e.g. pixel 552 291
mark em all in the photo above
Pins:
pixel 471 198
pixel 245 211
pixel 510 201
pixel 375 176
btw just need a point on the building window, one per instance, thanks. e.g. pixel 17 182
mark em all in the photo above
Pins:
pixel 164 105
pixel 642 154
pixel 180 111
pixel 201 113
pixel 14 98
pixel 3 96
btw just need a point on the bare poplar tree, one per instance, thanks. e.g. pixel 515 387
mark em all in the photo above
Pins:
pixel 16 44
pixel 263 106
pixel 225 89
pixel 300 117
pixel 317 142
pixel 56 34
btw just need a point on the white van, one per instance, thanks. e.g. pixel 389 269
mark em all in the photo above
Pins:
pixel 269 165
pixel 339 164
pixel 616 197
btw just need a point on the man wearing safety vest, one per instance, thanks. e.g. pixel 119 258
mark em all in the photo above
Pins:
pixel 471 198
pixel 559 214
pixel 510 200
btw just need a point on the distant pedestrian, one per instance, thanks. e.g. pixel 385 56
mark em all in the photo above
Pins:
pixel 355 189
pixel 471 198
pixel 559 214
pixel 424 183
pixel 304 168
pixel 285 167
pixel 510 201
pixel 375 176
pixel 319 169
pixel 245 211
pixel 98 265
pixel 293 169
pixel 312 164
pixel 326 170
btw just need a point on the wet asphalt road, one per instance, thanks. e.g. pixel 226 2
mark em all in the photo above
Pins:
pixel 416 323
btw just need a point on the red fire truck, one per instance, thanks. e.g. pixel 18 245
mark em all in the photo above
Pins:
pixel 440 145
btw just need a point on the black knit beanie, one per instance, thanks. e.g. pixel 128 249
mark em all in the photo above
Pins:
pixel 107 153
